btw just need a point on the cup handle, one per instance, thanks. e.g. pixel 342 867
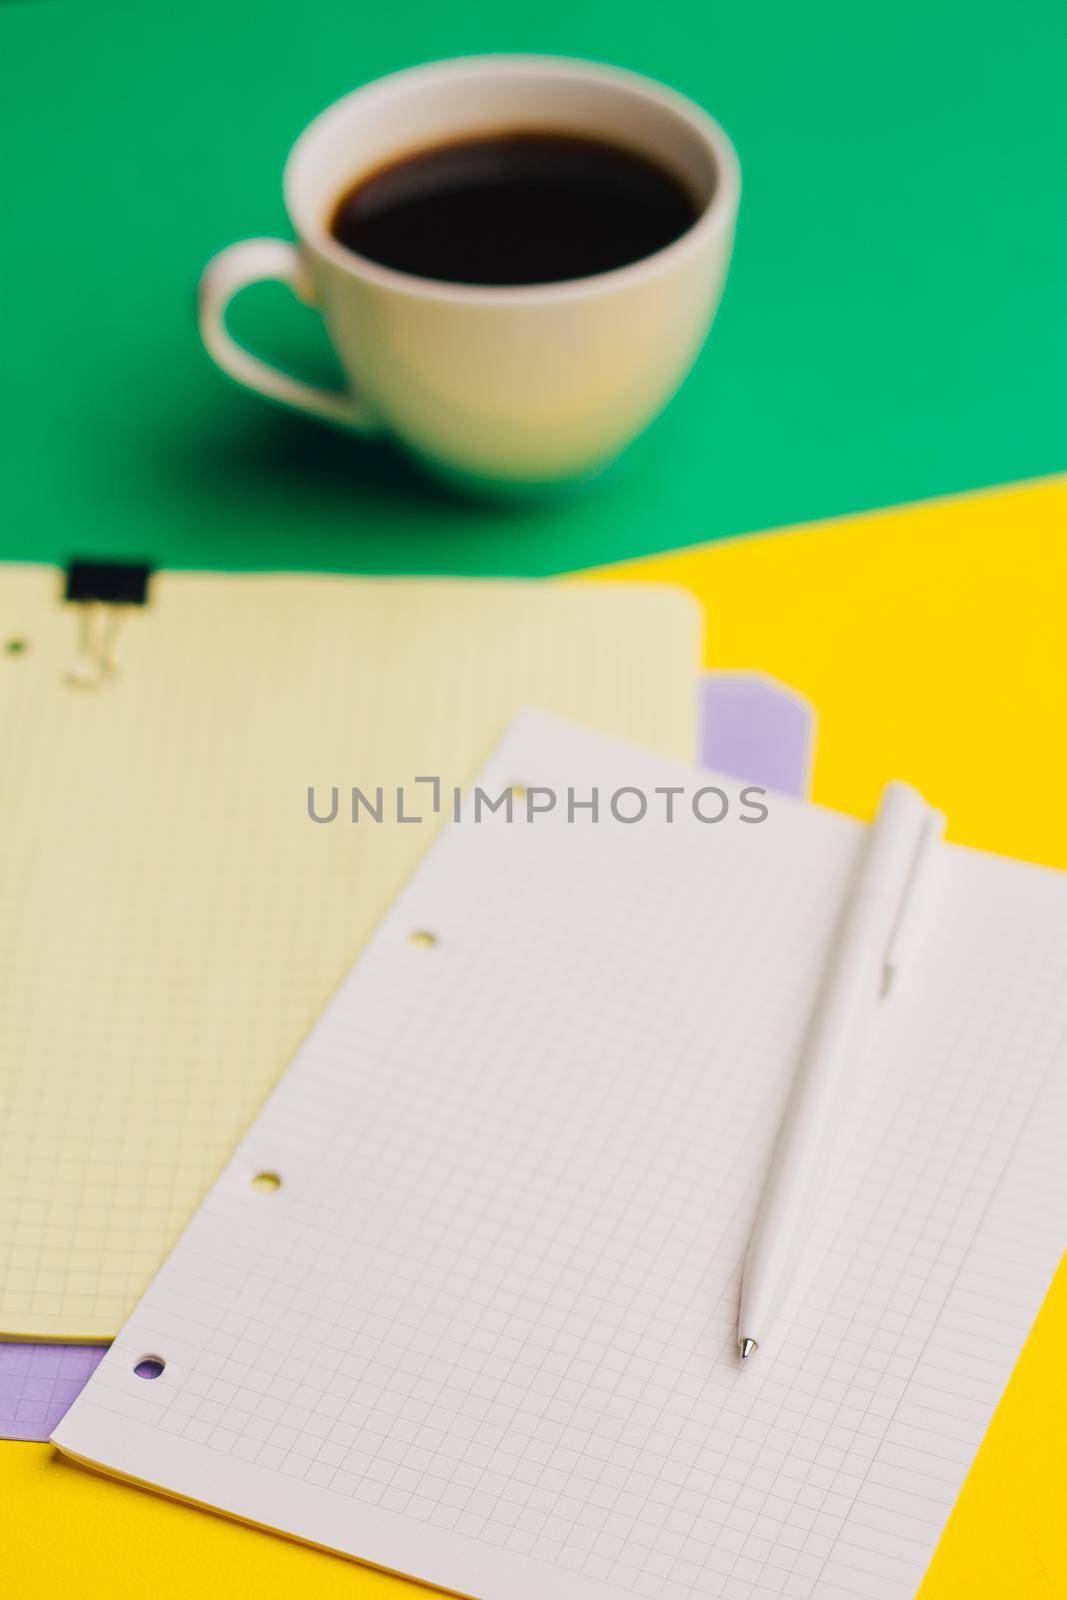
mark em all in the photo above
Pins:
pixel 233 269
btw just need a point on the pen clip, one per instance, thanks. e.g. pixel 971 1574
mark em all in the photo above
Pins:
pixel 906 927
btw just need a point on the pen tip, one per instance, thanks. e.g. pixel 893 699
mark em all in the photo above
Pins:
pixel 746 1347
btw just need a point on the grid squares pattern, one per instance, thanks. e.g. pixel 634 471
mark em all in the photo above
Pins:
pixel 38 1382
pixel 751 747
pixel 173 921
pixel 487 1335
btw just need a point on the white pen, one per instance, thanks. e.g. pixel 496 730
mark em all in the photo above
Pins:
pixel 867 950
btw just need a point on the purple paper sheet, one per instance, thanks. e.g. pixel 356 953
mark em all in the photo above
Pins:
pixel 38 1382
pixel 751 728
pixel 756 729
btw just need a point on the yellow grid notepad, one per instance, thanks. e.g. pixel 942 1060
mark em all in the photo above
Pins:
pixel 174 922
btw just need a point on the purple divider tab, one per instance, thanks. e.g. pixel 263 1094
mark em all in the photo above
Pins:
pixel 757 730
pixel 751 728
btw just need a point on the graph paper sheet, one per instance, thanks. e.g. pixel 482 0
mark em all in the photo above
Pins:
pixel 482 1333
pixel 749 726
pixel 174 922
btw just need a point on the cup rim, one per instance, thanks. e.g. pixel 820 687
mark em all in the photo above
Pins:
pixel 716 219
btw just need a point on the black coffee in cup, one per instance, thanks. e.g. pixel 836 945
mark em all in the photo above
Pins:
pixel 514 208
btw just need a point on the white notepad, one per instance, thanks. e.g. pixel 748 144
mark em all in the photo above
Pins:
pixel 483 1332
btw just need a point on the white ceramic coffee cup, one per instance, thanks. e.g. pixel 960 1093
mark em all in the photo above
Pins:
pixel 523 386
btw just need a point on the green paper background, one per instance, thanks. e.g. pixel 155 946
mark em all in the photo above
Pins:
pixel 895 325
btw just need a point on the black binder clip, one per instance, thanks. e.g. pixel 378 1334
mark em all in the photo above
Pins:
pixel 102 591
